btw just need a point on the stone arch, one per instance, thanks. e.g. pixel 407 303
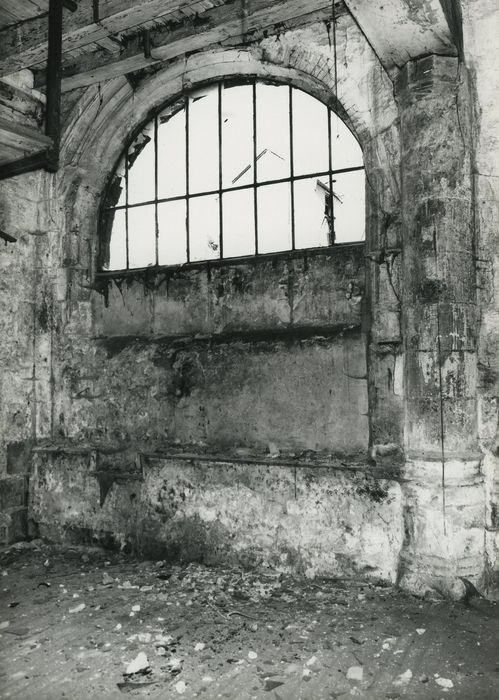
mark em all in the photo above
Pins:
pixel 104 116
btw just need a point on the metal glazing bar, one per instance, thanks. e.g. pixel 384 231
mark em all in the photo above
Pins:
pixel 291 167
pixel 187 229
pixel 126 209
pixel 156 223
pixel 323 173
pixel 330 204
pixel 255 158
pixel 220 180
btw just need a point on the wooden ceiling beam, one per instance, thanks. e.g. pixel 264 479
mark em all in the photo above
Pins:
pixel 223 24
pixel 25 45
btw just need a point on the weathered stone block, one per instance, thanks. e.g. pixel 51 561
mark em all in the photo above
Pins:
pixel 444 525
pixel 250 296
pixel 13 525
pixel 18 457
pixel 13 491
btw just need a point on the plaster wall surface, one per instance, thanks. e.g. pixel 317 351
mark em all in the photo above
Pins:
pixel 313 521
pixel 266 351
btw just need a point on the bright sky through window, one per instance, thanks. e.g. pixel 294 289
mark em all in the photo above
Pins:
pixel 232 170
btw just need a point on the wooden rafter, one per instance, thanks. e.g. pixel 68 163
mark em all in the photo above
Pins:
pixel 215 26
pixel 177 26
pixel 25 45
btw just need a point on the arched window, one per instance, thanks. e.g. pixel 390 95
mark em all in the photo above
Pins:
pixel 231 170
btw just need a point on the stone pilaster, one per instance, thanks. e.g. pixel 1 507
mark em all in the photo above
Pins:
pixel 444 487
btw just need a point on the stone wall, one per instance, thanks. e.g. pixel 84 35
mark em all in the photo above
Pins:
pixel 296 362
pixel 247 354
pixel 309 520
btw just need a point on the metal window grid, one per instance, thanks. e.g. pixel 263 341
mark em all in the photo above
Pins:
pixel 329 173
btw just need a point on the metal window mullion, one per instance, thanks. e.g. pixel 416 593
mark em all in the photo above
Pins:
pixel 255 190
pixel 156 222
pixel 331 234
pixel 291 168
pixel 126 210
pixel 187 222
pixel 220 181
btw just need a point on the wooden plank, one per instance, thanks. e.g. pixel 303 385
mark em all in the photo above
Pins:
pixel 6 18
pixel 110 45
pixel 34 161
pixel 22 138
pixel 26 44
pixel 20 106
pixel 217 25
pixel 21 9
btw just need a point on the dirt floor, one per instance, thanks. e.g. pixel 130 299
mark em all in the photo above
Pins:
pixel 73 620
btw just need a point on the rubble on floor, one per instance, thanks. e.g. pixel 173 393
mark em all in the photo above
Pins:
pixel 86 623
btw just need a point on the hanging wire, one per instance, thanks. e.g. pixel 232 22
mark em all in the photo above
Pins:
pixel 335 59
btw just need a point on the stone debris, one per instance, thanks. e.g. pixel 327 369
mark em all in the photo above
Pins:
pixel 403 679
pixel 139 665
pixel 272 683
pixel 420 630
pixel 355 673
pixel 77 608
pixel 127 586
pixel 278 637
pixel 163 640
pixel 273 451
pixel 174 665
pixel 180 687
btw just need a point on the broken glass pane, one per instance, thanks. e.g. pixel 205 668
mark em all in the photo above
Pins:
pixel 172 233
pixel 312 212
pixel 141 236
pixel 274 218
pixel 171 154
pixel 117 241
pixel 116 193
pixel 349 206
pixel 310 134
pixel 237 135
pixel 204 227
pixel 141 177
pixel 272 132
pixel 238 223
pixel 345 149
pixel 203 140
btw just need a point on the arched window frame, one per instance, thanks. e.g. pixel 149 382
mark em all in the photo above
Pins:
pixel 180 101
